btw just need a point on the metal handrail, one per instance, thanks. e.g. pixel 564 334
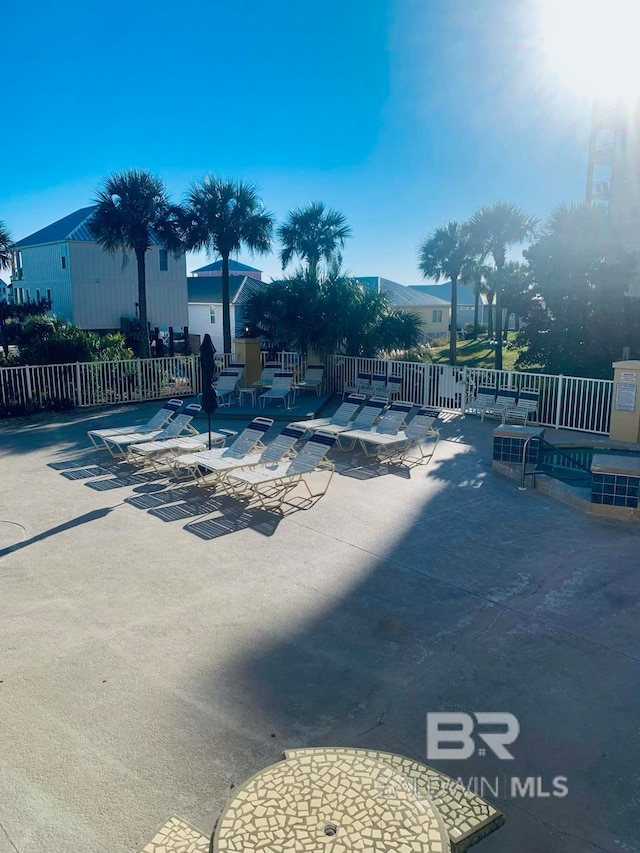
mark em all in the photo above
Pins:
pixel 523 471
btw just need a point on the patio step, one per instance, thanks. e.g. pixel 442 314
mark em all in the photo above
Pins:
pixel 177 836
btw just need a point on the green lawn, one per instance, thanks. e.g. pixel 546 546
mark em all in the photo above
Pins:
pixel 477 354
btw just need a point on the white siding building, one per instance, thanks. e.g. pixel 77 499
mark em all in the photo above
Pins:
pixel 205 305
pixel 92 288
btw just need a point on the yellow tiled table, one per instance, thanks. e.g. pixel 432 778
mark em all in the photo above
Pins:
pixel 331 801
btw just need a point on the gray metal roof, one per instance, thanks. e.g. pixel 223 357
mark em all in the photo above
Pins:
pixel 71 227
pixel 58 232
pixel 234 266
pixel 399 295
pixel 208 289
pixel 443 291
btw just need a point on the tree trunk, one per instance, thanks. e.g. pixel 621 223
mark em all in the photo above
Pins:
pixel 453 326
pixel 490 317
pixel 499 320
pixel 226 309
pixel 144 349
pixel 476 310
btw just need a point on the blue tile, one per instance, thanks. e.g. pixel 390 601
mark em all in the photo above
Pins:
pixel 596 499
pixel 607 499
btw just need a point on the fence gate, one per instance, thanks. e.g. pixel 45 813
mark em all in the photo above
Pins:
pixel 447 387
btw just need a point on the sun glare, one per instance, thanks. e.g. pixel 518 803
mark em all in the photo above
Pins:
pixel 592 47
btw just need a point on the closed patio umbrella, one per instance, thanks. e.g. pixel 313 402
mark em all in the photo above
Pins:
pixel 208 369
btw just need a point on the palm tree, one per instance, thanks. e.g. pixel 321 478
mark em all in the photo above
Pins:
pixel 313 234
pixel 444 254
pixel 475 274
pixel 6 247
pixel 495 229
pixel 132 213
pixel 222 216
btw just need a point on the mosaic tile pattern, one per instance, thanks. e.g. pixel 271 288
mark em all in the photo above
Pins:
pixel 467 817
pixel 510 450
pixel 330 801
pixel 176 836
pixel 615 490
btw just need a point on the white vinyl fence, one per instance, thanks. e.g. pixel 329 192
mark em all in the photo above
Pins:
pixel 100 382
pixel 103 382
pixel 568 402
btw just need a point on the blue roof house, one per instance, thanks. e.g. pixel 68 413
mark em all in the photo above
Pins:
pixel 90 287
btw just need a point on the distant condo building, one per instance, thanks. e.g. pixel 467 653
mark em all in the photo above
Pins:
pixel 613 173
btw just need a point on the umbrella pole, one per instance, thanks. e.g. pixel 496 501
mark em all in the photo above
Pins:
pixel 209 414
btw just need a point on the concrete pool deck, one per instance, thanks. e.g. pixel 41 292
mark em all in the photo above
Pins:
pixel 159 646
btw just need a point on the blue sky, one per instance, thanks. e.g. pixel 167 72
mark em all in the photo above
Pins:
pixel 404 114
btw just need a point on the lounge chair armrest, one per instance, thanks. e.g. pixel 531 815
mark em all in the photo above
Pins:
pixel 228 432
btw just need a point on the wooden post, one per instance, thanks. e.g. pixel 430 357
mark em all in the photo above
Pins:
pixel 172 350
pixel 187 348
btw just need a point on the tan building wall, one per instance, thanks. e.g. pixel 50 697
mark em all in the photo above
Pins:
pixel 433 321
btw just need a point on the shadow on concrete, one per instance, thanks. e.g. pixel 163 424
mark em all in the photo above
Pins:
pixel 88 517
pixel 485 600
pixel 260 520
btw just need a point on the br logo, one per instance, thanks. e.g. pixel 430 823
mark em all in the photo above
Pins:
pixel 451 734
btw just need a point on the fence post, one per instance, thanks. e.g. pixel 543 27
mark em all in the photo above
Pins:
pixel 559 400
pixel 139 372
pixel 463 402
pixel 78 385
pixel 27 378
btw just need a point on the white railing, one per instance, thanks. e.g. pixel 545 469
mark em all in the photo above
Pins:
pixel 107 382
pixel 100 382
pixel 568 402
pixel 565 402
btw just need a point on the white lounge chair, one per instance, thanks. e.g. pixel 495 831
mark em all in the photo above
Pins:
pixel 118 445
pixel 273 483
pixel 525 410
pixel 361 386
pixel 155 453
pixel 236 367
pixel 485 397
pixel 313 379
pixel 389 425
pixel 343 415
pixel 226 388
pixel 213 469
pixel 412 437
pixel 186 466
pixel 268 372
pixel 281 389
pixel 161 417
pixel 365 419
pixel 505 399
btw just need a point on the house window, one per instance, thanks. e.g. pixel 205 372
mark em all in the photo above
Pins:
pixel 28 292
pixel 436 315
pixel 63 257
pixel 212 315
pixel 50 300
pixel 37 294
pixel 164 260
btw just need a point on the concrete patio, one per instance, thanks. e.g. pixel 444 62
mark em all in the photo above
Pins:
pixel 160 644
